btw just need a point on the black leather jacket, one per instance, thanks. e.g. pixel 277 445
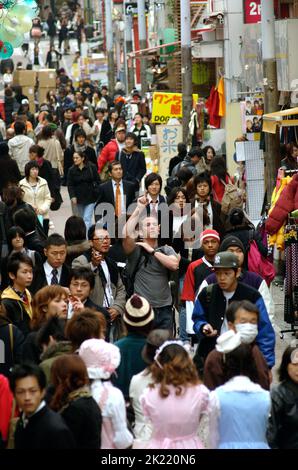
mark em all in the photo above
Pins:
pixel 283 422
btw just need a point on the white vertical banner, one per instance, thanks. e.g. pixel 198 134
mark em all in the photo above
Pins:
pixel 168 138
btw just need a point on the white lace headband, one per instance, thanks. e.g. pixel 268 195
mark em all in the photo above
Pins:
pixel 163 346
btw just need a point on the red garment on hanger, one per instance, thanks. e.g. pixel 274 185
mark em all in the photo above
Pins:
pixel 212 105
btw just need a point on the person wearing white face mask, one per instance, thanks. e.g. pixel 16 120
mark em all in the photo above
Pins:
pixel 247 331
pixel 242 318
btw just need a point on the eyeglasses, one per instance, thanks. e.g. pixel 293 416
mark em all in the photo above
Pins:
pixel 101 239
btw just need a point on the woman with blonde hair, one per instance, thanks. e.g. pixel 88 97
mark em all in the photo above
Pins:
pixel 176 400
pixel 48 302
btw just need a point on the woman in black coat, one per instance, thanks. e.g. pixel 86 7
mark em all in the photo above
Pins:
pixel 132 161
pixel 75 236
pixel 11 105
pixel 53 58
pixel 80 145
pixel 52 29
pixel 202 187
pixel 73 400
pixel 82 183
pixel 283 421
pixel 13 198
pixel 9 170
pixel 108 127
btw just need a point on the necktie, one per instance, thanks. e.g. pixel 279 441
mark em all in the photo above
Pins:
pixel 154 211
pixel 118 201
pixel 54 280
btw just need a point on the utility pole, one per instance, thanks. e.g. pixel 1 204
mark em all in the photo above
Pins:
pixel 129 63
pixel 143 42
pixel 186 65
pixel 271 154
pixel 109 45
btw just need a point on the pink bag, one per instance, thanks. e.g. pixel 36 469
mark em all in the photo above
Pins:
pixel 259 264
pixel 36 32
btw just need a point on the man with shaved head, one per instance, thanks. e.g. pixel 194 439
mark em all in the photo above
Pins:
pixel 151 264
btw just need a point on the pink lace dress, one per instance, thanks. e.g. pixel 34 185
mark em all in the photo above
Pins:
pixel 175 419
pixel 114 432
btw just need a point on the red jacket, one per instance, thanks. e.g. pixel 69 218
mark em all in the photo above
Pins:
pixel 287 202
pixel 188 291
pixel 218 187
pixel 107 154
pixel 6 399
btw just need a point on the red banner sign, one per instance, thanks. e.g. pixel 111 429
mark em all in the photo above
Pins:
pixel 252 11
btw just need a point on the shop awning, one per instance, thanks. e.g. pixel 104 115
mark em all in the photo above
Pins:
pixel 136 54
pixel 151 49
pixel 279 118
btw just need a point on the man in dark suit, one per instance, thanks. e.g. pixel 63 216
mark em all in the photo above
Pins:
pixel 53 271
pixel 81 285
pixel 117 192
pixel 39 427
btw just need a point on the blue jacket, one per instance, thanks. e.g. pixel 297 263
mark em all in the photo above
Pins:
pixel 210 308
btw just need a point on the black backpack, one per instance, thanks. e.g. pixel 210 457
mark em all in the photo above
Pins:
pixel 128 276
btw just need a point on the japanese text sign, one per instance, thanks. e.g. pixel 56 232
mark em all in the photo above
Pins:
pixel 168 138
pixel 166 106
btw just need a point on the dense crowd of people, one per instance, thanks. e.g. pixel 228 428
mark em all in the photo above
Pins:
pixel 100 326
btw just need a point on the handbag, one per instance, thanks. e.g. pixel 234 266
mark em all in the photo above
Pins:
pixel 95 185
pixel 36 32
pixel 60 168
pixel 56 204
pixel 59 163
pixel 128 276
pixel 259 264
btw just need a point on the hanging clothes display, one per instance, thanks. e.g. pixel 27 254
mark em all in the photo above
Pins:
pixel 212 105
pixel 286 203
pixel 291 280
pixel 278 237
pixel 222 99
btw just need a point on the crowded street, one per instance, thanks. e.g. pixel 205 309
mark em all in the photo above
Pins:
pixel 149 228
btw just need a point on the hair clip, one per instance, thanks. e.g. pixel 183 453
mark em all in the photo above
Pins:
pixel 163 346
